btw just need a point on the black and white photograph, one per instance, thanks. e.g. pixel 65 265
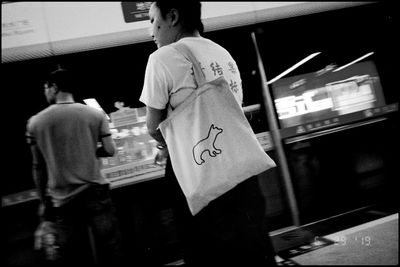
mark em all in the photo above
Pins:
pixel 188 133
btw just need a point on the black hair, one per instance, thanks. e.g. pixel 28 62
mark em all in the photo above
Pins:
pixel 189 13
pixel 63 79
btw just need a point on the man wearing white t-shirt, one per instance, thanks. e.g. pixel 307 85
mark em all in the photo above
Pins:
pixel 230 230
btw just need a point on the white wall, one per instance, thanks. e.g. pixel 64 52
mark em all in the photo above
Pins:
pixel 40 29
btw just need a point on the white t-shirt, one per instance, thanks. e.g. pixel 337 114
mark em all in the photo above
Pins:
pixel 169 75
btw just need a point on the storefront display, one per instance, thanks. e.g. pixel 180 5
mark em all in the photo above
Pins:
pixel 136 149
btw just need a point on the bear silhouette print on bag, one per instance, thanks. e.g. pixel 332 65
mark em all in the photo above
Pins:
pixel 207 145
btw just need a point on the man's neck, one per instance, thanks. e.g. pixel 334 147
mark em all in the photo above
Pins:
pixel 63 97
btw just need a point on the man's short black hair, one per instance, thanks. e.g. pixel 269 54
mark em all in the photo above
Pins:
pixel 63 79
pixel 189 12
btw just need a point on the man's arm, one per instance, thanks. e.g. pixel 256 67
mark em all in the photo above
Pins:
pixel 39 173
pixel 107 148
pixel 153 118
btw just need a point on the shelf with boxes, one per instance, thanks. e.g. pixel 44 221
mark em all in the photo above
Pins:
pixel 134 160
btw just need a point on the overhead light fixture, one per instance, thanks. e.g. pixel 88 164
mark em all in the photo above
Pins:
pixel 295 66
pixel 351 63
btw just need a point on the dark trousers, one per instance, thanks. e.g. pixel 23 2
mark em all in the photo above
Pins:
pixel 230 231
pixel 89 219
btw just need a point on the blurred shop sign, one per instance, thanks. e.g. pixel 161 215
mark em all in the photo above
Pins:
pixel 135 11
pixel 346 119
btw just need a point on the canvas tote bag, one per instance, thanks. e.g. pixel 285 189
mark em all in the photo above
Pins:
pixel 211 145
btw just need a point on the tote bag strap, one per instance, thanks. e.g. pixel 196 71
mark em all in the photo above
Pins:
pixel 198 73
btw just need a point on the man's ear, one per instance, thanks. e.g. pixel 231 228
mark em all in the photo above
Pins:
pixel 174 16
pixel 55 88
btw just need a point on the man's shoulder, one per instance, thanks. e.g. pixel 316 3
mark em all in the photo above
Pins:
pixel 164 53
pixel 91 113
pixel 40 115
pixel 54 111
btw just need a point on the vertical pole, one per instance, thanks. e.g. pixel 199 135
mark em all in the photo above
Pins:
pixel 276 137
